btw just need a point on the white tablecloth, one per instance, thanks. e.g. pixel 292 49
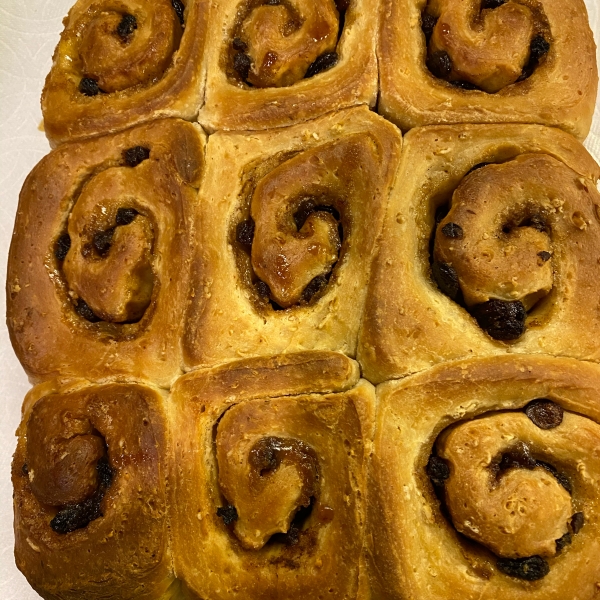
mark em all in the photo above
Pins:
pixel 29 31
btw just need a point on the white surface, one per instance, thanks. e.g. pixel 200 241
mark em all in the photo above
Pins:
pixel 29 31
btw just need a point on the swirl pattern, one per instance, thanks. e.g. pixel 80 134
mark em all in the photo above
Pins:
pixel 489 247
pixel 491 491
pixel 293 220
pixel 122 204
pixel 120 62
pixel 89 475
pixel 268 477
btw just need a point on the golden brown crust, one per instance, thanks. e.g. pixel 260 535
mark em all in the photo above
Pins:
pixel 560 92
pixel 233 105
pixel 346 162
pixel 78 190
pixel 415 551
pixel 154 77
pixel 235 446
pixel 124 546
pixel 410 324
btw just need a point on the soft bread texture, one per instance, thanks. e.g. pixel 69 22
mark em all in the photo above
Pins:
pixel 155 70
pixel 78 189
pixel 233 105
pixel 414 549
pixel 561 91
pixel 312 404
pixel 346 160
pixel 126 548
pixel 409 323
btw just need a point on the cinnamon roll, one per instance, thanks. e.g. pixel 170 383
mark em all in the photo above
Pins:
pixel 98 267
pixel 286 228
pixel 484 482
pixel 273 63
pixel 487 61
pixel 491 245
pixel 269 478
pixel 121 62
pixel 90 494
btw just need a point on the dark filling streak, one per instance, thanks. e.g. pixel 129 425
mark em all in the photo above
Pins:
pixel 134 156
pixel 292 536
pixel 126 27
pixel 439 64
pixel 25 470
pixel 244 232
pixel 239 45
pixel 563 541
pixel 228 514
pixel 103 240
pixel 62 247
pixel 531 568
pixel 446 278
pixel 76 516
pixel 537 50
pixel 500 319
pixel 485 4
pixel 125 216
pixel 83 310
pixel 179 8
pixel 322 63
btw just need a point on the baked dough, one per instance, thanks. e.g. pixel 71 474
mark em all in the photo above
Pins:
pixel 122 62
pixel 268 490
pixel 286 231
pixel 99 264
pixel 89 478
pixel 488 44
pixel 522 233
pixel 260 56
pixel 463 434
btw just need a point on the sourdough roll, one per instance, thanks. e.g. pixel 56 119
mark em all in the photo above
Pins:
pixel 483 482
pixel 122 62
pixel 268 490
pixel 89 478
pixel 491 245
pixel 286 231
pixel 99 264
pixel 487 61
pixel 274 64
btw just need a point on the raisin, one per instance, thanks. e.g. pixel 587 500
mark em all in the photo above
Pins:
pixel 179 8
pixel 501 319
pixel 244 232
pixel 545 256
pixel 544 413
pixel 134 156
pixel 446 278
pixel 242 64
pixel 126 27
pixel 315 286
pixel 440 64
pixel 531 568
pixel 428 25
pixel 83 310
pixel 539 48
pixel 560 477
pixel 563 541
pixel 465 85
pixel 577 522
pixel 518 457
pixel 63 245
pixel 125 216
pixel 239 45
pixel 89 87
pixel 322 63
pixel 452 230
pixel 25 469
pixel 262 289
pixel 228 514
pixel 491 3
pixel 103 240
pixel 437 470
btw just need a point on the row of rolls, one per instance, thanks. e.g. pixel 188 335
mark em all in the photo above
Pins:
pixel 292 477
pixel 261 64
pixel 154 251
